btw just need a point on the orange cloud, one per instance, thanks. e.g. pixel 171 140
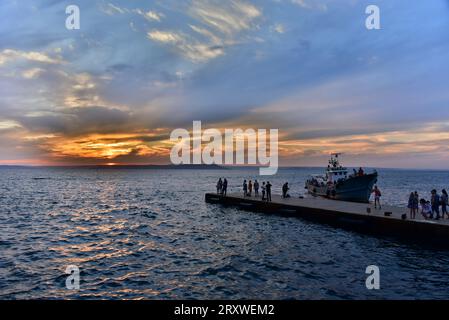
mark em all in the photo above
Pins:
pixel 154 146
pixel 107 147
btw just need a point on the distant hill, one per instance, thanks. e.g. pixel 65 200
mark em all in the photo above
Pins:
pixel 149 166
pixel 12 166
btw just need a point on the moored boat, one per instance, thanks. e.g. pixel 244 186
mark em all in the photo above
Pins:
pixel 337 184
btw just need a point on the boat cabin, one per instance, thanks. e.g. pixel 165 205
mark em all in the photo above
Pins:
pixel 335 171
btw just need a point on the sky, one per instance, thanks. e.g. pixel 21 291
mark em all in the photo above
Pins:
pixel 112 91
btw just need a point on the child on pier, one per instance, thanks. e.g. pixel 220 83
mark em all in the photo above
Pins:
pixel 426 209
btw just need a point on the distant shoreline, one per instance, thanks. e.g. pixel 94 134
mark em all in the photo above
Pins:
pixel 191 167
pixel 143 166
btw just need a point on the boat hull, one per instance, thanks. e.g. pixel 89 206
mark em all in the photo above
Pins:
pixel 354 189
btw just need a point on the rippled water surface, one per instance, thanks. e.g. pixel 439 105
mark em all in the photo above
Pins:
pixel 149 234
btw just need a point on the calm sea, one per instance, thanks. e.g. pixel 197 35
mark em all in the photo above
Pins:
pixel 149 234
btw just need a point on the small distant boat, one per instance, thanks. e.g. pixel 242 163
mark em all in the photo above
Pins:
pixel 337 184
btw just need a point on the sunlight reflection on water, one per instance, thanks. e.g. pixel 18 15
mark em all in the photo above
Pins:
pixel 149 234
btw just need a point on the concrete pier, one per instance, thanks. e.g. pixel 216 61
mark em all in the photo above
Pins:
pixel 361 217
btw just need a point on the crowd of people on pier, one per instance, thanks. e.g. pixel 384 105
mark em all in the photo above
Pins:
pixel 260 190
pixel 265 189
pixel 435 208
pixel 430 209
pixel 222 186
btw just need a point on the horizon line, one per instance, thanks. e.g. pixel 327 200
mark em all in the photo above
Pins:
pixel 111 166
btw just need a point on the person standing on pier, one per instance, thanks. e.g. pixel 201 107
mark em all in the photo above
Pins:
pixel 219 186
pixel 268 191
pixel 245 188
pixel 250 188
pixel 285 189
pixel 256 188
pixel 416 203
pixel 435 202
pixel 263 191
pixel 377 195
pixel 411 205
pixel 225 187
pixel 444 200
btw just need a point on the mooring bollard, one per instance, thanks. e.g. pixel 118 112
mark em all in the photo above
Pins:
pixel 368 210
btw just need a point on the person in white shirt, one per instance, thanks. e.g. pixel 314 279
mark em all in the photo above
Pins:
pixel 426 209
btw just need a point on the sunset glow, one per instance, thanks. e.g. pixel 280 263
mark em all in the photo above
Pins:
pixel 81 97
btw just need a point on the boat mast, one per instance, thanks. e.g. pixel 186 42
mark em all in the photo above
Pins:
pixel 334 163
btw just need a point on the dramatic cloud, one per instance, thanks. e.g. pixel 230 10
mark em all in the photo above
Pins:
pixel 113 91
pixel 217 25
pixel 150 15
pixel 227 17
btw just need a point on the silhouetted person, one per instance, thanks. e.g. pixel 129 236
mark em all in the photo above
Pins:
pixel 444 201
pixel 361 172
pixel 268 191
pixel 256 188
pixel 250 188
pixel 219 186
pixel 435 202
pixel 411 205
pixel 264 188
pixel 285 189
pixel 225 187
pixel 245 188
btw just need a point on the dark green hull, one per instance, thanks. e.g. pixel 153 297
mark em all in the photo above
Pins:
pixel 355 189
